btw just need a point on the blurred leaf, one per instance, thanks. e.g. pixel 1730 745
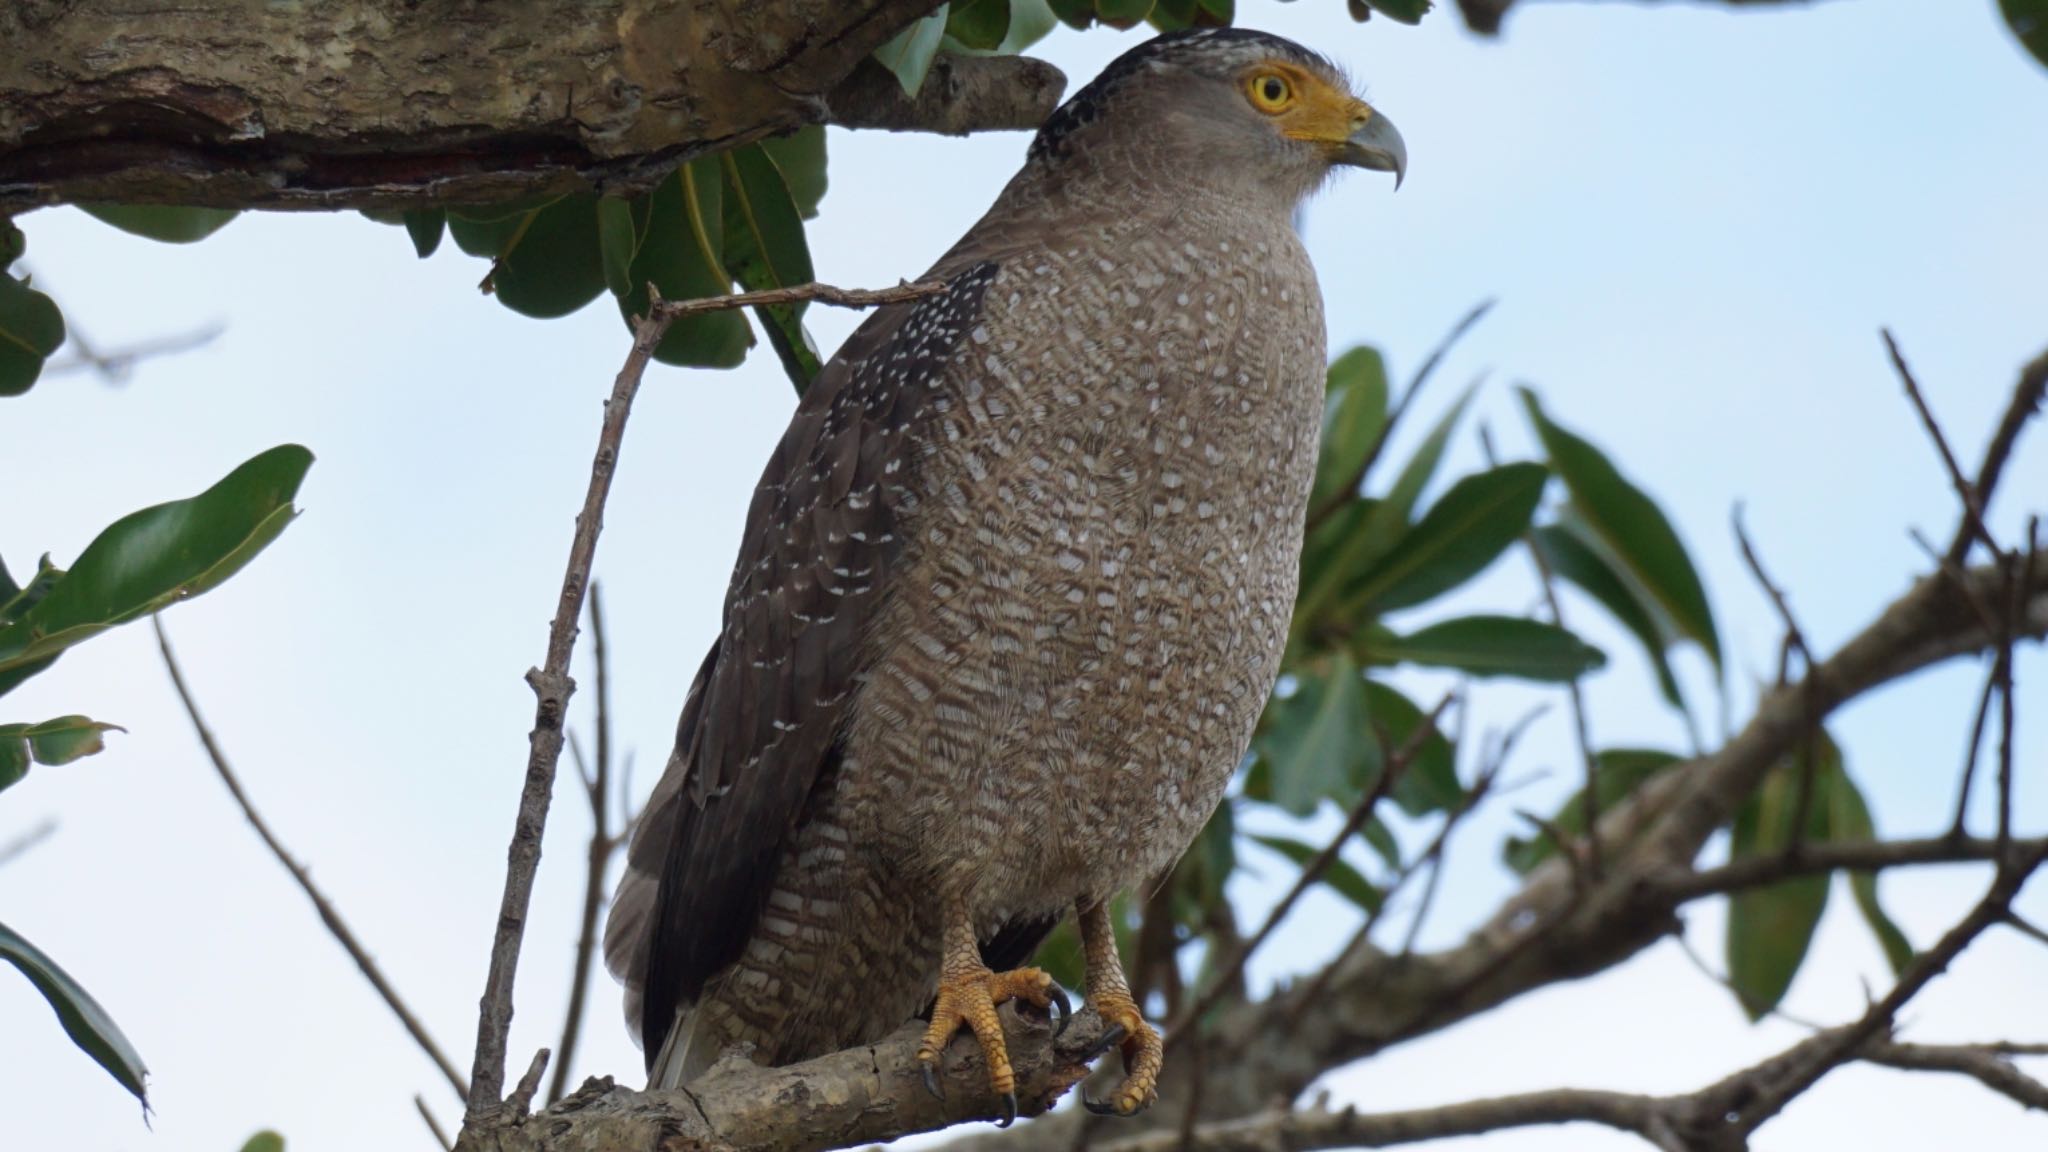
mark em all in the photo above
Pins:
pixel 1498 646
pixel 1216 13
pixel 1573 559
pixel 1617 773
pixel 170 225
pixel 1342 878
pixel 1406 11
pixel 1073 13
pixel 980 24
pixel 1173 15
pixel 1060 957
pixel 681 254
pixel 1460 536
pixel 425 226
pixel 765 248
pixel 1122 13
pixel 50 743
pixel 618 239
pixel 1770 928
pixel 13 243
pixel 83 1019
pixel 909 53
pixel 800 157
pixel 1316 738
pixel 16 600
pixel 1849 822
pixel 1431 782
pixel 1632 527
pixel 552 263
pixel 2029 21
pixel 31 330
pixel 264 1141
pixel 1354 412
pixel 151 559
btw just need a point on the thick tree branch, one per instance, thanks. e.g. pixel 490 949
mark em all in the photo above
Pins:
pixel 394 103
pixel 329 915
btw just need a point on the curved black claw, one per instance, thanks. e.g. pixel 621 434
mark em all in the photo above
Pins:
pixel 1009 1110
pixel 1110 1038
pixel 1063 1010
pixel 931 1081
pixel 1106 1108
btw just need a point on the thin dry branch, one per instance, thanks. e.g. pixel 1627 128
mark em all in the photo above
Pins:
pixel 1685 884
pixel 1986 1063
pixel 433 1125
pixel 1973 524
pixel 12 850
pixel 597 789
pixel 329 915
pixel 2025 404
pixel 551 683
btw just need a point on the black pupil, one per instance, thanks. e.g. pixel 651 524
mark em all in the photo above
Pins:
pixel 1274 89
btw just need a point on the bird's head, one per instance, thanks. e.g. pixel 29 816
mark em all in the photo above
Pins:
pixel 1223 104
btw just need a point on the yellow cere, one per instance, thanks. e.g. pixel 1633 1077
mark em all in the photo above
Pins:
pixel 1305 105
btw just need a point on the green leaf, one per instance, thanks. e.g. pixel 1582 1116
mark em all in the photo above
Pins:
pixel 51 743
pixel 765 248
pixel 1354 412
pixel 425 225
pixel 13 243
pixel 1030 22
pixel 1365 539
pixel 1770 928
pixel 980 24
pixel 170 225
pixel 552 263
pixel 16 601
pixel 1073 13
pixel 1406 11
pixel 1849 821
pixel 1122 13
pixel 264 1141
pixel 1431 782
pixel 1173 15
pixel 1632 528
pixel 1617 773
pixel 909 53
pixel 1497 646
pixel 151 559
pixel 1573 559
pixel 618 239
pixel 83 1019
pixel 682 255
pixel 2028 20
pixel 1342 878
pixel 1317 740
pixel 1216 13
pixel 800 157
pixel 1460 536
pixel 31 330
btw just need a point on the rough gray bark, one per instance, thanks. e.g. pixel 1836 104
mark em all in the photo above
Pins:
pixel 390 103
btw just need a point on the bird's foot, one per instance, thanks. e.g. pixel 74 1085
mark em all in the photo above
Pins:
pixel 1142 1051
pixel 968 996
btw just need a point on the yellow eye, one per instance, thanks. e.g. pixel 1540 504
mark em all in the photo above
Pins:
pixel 1270 92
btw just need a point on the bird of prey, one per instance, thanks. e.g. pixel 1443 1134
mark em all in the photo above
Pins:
pixel 1012 590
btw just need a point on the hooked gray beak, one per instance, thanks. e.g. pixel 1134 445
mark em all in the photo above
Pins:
pixel 1378 146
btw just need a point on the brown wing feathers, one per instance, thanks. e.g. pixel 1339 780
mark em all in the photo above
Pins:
pixel 762 722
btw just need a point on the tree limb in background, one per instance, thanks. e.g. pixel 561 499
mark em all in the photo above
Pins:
pixel 552 686
pixel 329 915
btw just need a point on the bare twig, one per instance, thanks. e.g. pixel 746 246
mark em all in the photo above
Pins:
pixel 13 849
pixel 597 788
pixel 1684 884
pixel 1349 491
pixel 2025 403
pixel 1973 510
pixel 551 683
pixel 1986 1063
pixel 520 1102
pixel 433 1125
pixel 1958 826
pixel 116 365
pixel 329 915
pixel 1795 641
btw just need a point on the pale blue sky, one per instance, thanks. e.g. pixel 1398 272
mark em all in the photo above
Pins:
pixel 1695 221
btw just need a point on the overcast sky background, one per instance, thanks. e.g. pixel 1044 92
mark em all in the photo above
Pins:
pixel 1695 221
